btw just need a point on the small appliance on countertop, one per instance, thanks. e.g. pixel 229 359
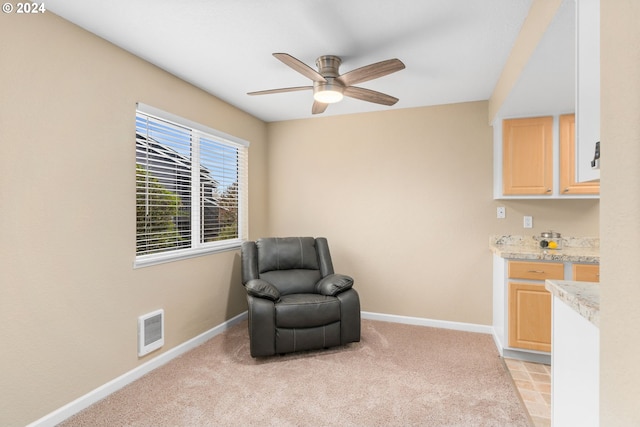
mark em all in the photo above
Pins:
pixel 550 240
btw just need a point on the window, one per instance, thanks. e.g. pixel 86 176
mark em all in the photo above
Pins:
pixel 191 187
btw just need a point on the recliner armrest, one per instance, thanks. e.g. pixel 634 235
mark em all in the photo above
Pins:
pixel 262 289
pixel 333 284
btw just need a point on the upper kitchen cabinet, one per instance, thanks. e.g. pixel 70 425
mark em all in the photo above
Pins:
pixel 568 164
pixel 588 89
pixel 535 159
pixel 527 156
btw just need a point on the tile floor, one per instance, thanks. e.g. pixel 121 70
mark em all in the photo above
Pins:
pixel 534 384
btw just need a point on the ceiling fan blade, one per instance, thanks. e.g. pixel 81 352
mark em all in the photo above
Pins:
pixel 370 72
pixel 318 107
pixel 300 67
pixel 284 89
pixel 369 95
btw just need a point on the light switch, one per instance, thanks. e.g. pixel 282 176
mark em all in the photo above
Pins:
pixel 528 222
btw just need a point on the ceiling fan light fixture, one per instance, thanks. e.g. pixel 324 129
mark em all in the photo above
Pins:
pixel 328 93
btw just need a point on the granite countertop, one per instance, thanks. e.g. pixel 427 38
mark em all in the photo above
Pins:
pixel 581 250
pixel 583 297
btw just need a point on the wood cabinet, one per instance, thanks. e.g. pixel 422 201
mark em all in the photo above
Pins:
pixel 535 270
pixel 529 316
pixel 568 175
pixel 586 272
pixel 529 304
pixel 521 304
pixel 535 158
pixel 527 156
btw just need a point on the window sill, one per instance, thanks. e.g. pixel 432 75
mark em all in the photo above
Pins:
pixel 161 258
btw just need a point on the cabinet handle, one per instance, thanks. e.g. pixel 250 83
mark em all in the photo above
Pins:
pixel 548 190
pixel 536 271
pixel 566 190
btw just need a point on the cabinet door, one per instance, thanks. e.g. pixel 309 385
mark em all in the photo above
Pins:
pixel 568 176
pixel 586 272
pixel 527 156
pixel 529 316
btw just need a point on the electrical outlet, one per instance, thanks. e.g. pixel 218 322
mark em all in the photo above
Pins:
pixel 501 212
pixel 528 222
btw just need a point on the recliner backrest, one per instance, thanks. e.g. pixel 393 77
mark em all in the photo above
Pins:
pixel 289 263
pixel 287 253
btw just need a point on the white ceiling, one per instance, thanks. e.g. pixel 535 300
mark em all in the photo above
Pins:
pixel 547 84
pixel 454 50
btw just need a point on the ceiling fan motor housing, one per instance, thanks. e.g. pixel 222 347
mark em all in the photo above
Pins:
pixel 328 66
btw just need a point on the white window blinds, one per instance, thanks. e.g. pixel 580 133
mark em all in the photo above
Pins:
pixel 191 185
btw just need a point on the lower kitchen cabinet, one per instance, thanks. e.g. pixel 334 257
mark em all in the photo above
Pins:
pixel 529 316
pixel 586 272
pixel 529 304
pixel 522 307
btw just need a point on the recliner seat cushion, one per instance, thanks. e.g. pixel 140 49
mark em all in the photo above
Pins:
pixel 306 311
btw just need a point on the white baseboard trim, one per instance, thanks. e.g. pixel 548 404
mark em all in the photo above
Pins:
pixel 83 402
pixel 116 384
pixel 507 352
pixel 497 342
pixel 420 321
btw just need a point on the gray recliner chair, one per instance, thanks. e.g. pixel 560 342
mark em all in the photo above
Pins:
pixel 295 300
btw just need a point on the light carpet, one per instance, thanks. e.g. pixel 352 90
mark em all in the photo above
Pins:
pixel 397 375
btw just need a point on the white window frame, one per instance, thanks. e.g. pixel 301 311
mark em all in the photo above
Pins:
pixel 198 248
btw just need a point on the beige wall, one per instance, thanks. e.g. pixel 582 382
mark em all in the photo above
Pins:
pixel 69 297
pixel 405 199
pixel 620 218
pixel 570 217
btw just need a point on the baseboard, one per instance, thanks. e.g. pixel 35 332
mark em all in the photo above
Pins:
pixel 434 323
pixel 112 386
pixel 497 341
pixel 116 384
pixel 527 356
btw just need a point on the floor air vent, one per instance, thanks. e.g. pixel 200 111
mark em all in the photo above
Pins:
pixel 150 332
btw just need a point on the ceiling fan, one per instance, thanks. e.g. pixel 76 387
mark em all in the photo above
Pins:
pixel 329 86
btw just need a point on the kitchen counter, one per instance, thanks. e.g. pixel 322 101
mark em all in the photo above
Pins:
pixel 582 297
pixel 578 257
pixel 578 250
